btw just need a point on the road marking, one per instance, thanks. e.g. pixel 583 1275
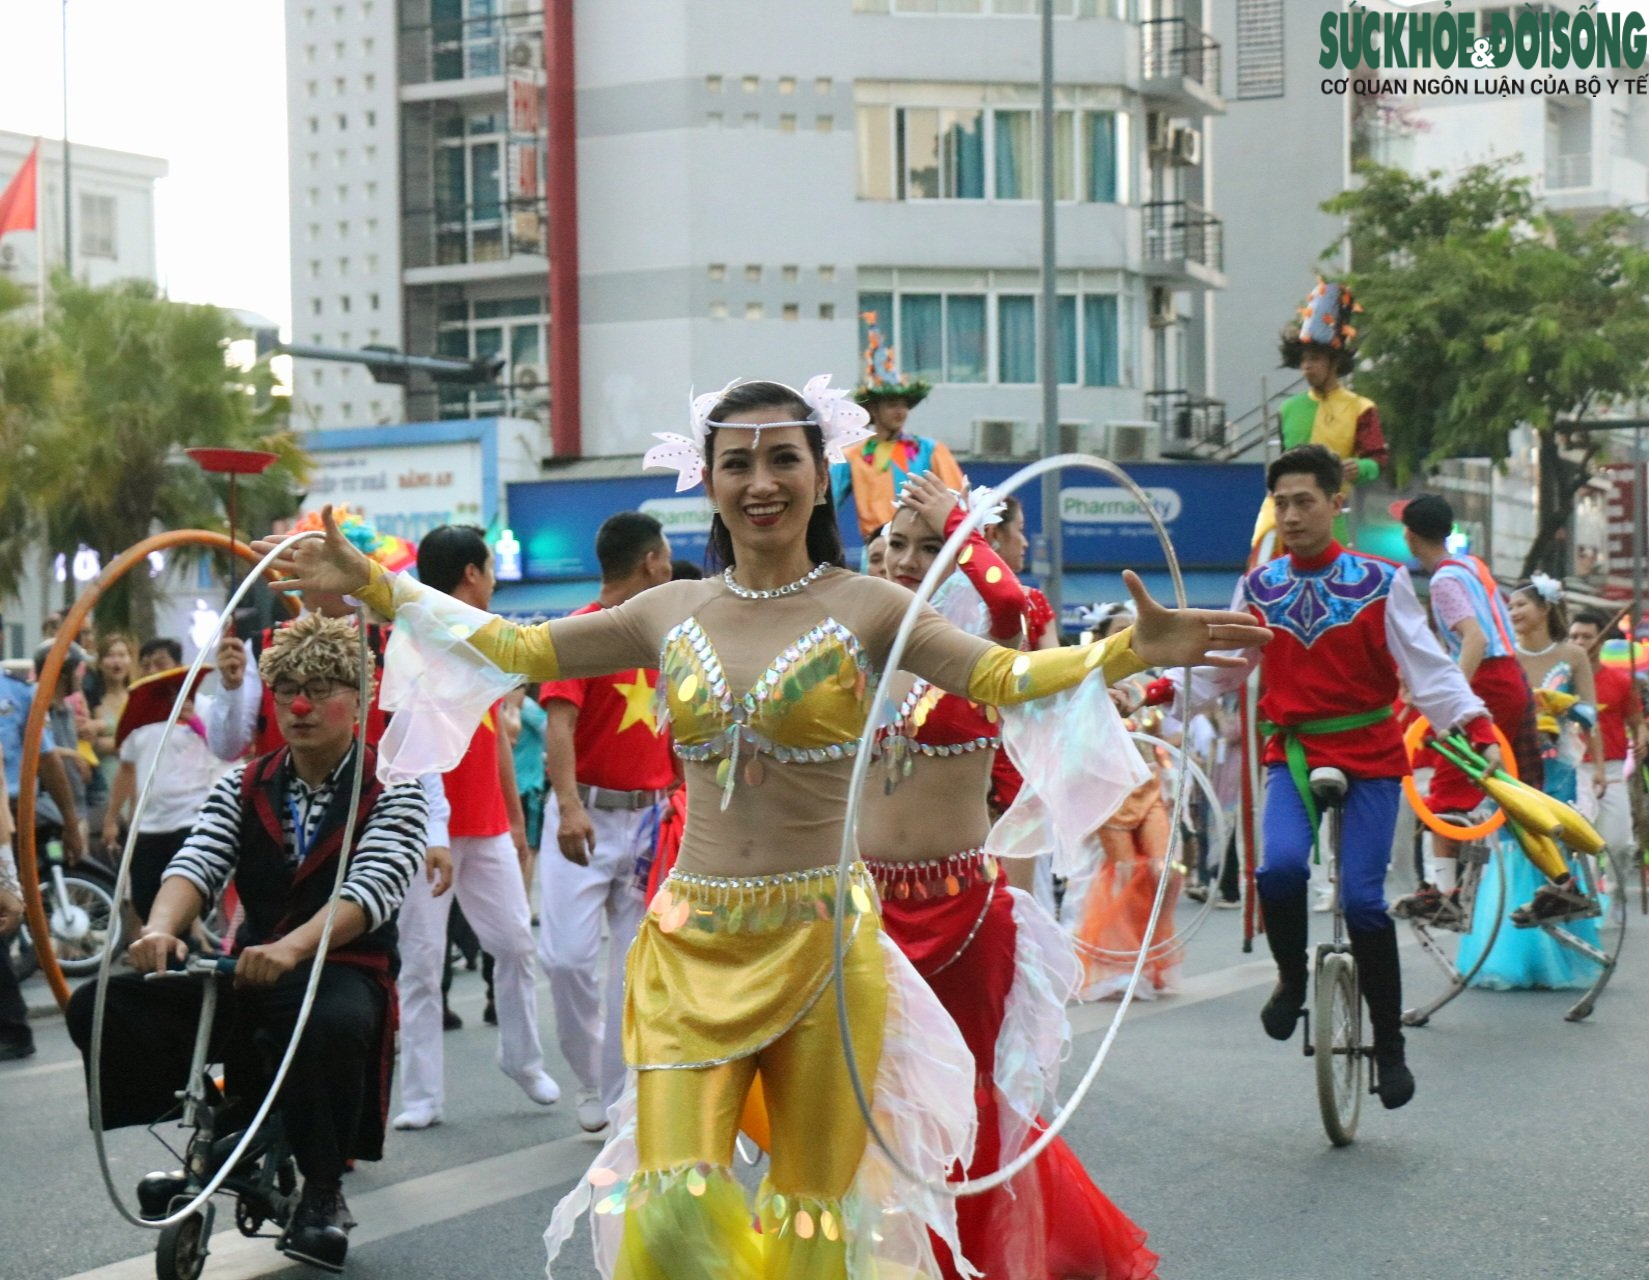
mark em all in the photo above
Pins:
pixel 1096 1016
pixel 389 1211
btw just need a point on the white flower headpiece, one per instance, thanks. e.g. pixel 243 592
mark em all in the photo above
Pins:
pixel 841 422
pixel 1547 588
pixel 977 497
pixel 1095 616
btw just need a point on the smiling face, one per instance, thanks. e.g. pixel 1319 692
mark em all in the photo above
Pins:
pixel 765 484
pixel 1528 615
pixel 1305 514
pixel 912 548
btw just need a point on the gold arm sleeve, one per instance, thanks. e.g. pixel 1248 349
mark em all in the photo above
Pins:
pixel 1003 677
pixel 527 651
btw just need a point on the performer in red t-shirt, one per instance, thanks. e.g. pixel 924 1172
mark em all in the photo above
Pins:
pixel 489 849
pixel 1620 721
pixel 610 772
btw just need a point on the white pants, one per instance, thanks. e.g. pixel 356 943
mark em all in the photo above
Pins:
pixel 572 901
pixel 486 880
pixel 1612 814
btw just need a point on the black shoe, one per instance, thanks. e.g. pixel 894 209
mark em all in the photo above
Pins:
pixel 450 1021
pixel 1394 1082
pixel 15 1050
pixel 319 1234
pixel 1555 903
pixel 1284 1007
pixel 156 1192
pixel 489 1015
pixel 1197 892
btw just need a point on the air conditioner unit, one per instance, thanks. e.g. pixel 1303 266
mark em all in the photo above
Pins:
pixel 1128 442
pixel 1163 311
pixel 1003 438
pixel 525 52
pixel 1159 132
pixel 1082 437
pixel 526 377
pixel 1186 147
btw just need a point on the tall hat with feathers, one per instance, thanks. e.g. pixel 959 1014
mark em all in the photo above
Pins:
pixel 1325 324
pixel 882 379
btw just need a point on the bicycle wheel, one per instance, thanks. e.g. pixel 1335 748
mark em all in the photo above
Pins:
pixel 80 932
pixel 1336 1029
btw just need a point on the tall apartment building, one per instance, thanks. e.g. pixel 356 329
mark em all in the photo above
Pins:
pixel 751 180
pixel 113 218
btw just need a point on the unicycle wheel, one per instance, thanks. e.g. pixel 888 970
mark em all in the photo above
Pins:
pixel 1337 1035
pixel 180 1253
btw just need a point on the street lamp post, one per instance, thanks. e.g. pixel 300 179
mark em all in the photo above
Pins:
pixel 1051 527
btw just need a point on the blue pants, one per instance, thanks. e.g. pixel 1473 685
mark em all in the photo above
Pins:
pixel 1366 827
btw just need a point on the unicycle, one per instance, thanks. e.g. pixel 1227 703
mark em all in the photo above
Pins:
pixel 264 1183
pixel 1334 1025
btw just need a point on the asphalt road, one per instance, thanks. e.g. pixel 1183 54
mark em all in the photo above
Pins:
pixel 1524 1155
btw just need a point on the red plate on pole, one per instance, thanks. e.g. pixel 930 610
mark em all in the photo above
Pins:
pixel 234 462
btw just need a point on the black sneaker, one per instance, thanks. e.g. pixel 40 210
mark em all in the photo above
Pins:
pixel 489 1015
pixel 319 1234
pixel 1555 903
pixel 15 1050
pixel 450 1021
pixel 1283 1009
pixel 156 1192
pixel 1393 1081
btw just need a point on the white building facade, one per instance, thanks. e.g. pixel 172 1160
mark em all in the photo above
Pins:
pixel 752 179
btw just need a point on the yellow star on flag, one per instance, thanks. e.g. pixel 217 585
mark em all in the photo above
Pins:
pixel 638 703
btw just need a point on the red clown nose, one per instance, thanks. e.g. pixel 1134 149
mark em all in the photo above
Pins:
pixel 301 705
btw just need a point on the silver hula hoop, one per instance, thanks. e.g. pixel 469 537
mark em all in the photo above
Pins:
pixel 861 769
pixel 95 1059
pixel 1180 938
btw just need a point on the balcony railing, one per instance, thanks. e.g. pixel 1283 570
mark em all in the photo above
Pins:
pixel 1177 230
pixel 472 48
pixel 1188 419
pixel 1569 172
pixel 492 232
pixel 1176 49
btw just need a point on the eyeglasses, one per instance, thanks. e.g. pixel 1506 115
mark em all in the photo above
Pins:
pixel 286 692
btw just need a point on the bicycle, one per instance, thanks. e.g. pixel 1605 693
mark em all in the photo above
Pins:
pixel 264 1183
pixel 1334 1022
pixel 81 909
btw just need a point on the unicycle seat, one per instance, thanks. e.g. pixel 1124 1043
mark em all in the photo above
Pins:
pixel 1328 784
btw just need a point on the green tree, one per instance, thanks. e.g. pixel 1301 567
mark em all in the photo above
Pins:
pixel 107 395
pixel 1486 312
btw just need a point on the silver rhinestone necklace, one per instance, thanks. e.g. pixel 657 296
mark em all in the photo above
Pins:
pixel 789 589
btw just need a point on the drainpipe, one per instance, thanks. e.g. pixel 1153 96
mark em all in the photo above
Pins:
pixel 561 182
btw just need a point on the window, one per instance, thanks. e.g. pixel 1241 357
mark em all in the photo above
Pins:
pixel 314 124
pixel 372 301
pixel 372 191
pixel 792 311
pixel 469 190
pixel 312 196
pixel 787 124
pixel 976 153
pixel 712 84
pixel 512 327
pixel 1260 49
pixel 824 124
pixel 751 83
pixel 369 82
pixel 342 121
pixel 314 158
pixel 822 85
pixel 787 84
pixel 753 273
pixel 718 271
pixel 343 266
pixel 97 226
pixel 346 410
pixel 371 118
pixel 311 89
pixel 752 120
pixel 371 262
pixel 343 193
pixel 753 311
pixel 340 86
pixel 314 231
pixel 827 311
pixel 343 302
pixel 987 337
pixel 314 306
pixel 718 311
pixel 827 275
pixel 314 268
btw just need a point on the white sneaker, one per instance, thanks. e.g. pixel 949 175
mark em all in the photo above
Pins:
pixel 1325 900
pixel 419 1117
pixel 540 1088
pixel 592 1116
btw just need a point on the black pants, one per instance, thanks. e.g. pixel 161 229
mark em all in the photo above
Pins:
pixel 149 1034
pixel 14 1011
pixel 150 854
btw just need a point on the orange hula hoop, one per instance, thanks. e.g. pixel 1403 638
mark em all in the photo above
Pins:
pixel 1448 830
pixel 28 870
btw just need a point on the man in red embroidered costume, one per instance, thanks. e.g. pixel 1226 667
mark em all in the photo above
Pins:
pixel 275 827
pixel 610 772
pixel 1345 627
pixel 489 848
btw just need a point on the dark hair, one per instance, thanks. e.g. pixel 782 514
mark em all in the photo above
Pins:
pixel 1430 517
pixel 824 539
pixel 1345 358
pixel 1318 461
pixel 446 551
pixel 1557 617
pixel 624 541
pixel 685 571
pixel 173 649
pixel 1593 618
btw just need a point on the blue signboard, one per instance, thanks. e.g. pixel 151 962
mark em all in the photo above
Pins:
pixel 1209 509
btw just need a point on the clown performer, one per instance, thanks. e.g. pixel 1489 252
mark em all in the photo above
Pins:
pixel 1322 348
pixel 765 670
pixel 994 957
pixel 872 473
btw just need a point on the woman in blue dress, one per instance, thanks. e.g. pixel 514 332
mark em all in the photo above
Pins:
pixel 1566 703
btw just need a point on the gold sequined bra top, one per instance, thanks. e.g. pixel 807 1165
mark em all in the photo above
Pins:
pixel 808 707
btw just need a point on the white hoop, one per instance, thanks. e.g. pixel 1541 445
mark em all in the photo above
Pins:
pixel 861 767
pixel 95 1053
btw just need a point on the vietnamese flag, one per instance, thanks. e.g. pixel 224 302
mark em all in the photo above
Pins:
pixel 17 201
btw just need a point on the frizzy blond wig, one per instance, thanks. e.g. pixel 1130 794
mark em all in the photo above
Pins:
pixel 313 647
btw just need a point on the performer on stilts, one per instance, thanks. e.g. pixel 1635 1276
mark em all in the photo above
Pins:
pixel 996 960
pixel 766 672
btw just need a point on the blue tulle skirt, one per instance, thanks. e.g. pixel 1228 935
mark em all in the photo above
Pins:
pixel 1522 958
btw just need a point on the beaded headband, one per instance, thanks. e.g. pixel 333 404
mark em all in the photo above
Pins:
pixel 841 422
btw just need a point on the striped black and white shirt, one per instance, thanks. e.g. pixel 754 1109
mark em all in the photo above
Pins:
pixel 389 844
